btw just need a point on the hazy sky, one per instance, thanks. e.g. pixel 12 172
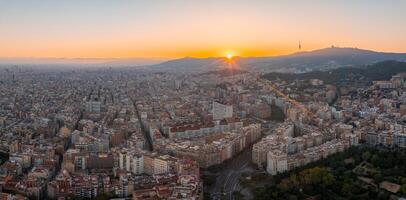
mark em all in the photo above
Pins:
pixel 175 28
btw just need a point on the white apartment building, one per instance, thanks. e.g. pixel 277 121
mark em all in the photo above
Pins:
pixel 160 166
pixel 277 162
pixel 137 164
pixel 222 111
pixel 131 162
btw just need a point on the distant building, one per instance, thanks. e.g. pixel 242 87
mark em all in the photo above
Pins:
pixel 93 106
pixel 222 111
pixel 193 130
pixel 131 162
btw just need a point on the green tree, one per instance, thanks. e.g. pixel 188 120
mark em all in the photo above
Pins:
pixel 366 156
pixel 375 160
pixel 378 177
pixel 284 185
pixel 206 196
pixel 209 179
pixel 328 179
pixel 346 189
pixel 403 189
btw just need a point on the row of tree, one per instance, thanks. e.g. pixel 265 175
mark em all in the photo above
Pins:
pixel 333 177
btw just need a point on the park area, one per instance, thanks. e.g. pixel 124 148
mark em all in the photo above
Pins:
pixel 358 173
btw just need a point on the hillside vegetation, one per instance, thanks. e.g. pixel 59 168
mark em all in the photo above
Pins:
pixel 379 71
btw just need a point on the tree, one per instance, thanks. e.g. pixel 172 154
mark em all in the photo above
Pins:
pixel 378 177
pixel 346 189
pixel 375 160
pixel 209 180
pixel 206 196
pixel 328 179
pixel 237 195
pixel 292 197
pixel 284 185
pixel 366 156
pixel 403 189
pixel 383 196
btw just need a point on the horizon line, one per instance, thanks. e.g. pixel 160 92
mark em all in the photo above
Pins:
pixel 187 56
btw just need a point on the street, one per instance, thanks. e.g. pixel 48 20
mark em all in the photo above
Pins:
pixel 229 177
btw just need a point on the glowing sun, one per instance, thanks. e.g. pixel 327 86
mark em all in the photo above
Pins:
pixel 229 56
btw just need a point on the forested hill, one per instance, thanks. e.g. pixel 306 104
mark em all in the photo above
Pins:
pixel 379 71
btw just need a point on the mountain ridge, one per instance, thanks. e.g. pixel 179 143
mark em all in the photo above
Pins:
pixel 320 59
pixel 299 62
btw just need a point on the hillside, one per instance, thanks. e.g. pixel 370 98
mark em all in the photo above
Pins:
pixel 322 59
pixel 379 71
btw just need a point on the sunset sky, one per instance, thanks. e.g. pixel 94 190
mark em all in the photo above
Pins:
pixel 175 28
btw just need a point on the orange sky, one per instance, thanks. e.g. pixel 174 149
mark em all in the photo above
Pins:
pixel 124 29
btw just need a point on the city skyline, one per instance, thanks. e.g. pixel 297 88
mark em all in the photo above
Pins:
pixel 140 29
pixel 202 100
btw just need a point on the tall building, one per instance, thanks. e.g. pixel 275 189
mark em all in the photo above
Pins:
pixel 122 163
pixel 160 166
pixel 131 162
pixel 277 162
pixel 222 111
pixel 138 164
pixel 93 106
